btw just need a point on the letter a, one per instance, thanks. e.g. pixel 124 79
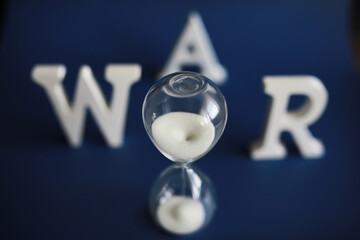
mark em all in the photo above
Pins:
pixel 110 118
pixel 194 48
pixel 296 122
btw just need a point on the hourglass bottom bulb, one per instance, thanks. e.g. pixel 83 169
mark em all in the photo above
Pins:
pixel 181 215
pixel 182 199
pixel 183 136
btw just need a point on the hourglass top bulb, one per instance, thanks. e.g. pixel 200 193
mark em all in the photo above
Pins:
pixel 184 114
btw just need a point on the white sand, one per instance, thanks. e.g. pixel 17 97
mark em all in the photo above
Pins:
pixel 184 136
pixel 181 215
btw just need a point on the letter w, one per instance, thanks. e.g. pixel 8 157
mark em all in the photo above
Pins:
pixel 110 118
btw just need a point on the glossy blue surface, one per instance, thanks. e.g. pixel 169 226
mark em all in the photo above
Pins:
pixel 50 191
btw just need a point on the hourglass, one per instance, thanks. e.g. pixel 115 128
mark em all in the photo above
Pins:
pixel 184 115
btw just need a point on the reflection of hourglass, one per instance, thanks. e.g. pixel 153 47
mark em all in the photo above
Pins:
pixel 184 114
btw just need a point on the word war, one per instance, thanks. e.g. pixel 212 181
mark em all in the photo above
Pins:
pixel 193 48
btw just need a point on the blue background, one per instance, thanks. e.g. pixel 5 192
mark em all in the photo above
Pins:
pixel 51 191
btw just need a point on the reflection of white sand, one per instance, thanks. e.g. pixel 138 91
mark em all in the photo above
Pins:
pixel 184 136
pixel 181 215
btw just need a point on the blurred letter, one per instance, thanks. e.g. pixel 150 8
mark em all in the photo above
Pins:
pixel 110 118
pixel 296 122
pixel 194 48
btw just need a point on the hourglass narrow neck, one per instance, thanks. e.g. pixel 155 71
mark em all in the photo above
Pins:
pixel 191 178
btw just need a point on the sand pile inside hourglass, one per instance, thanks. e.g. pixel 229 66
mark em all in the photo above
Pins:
pixel 181 215
pixel 183 136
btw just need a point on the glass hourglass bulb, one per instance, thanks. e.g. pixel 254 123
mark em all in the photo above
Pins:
pixel 182 199
pixel 184 114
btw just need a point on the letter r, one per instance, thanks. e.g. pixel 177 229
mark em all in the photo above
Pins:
pixel 280 88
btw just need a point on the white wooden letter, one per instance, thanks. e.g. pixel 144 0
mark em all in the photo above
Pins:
pixel 280 88
pixel 110 118
pixel 194 48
